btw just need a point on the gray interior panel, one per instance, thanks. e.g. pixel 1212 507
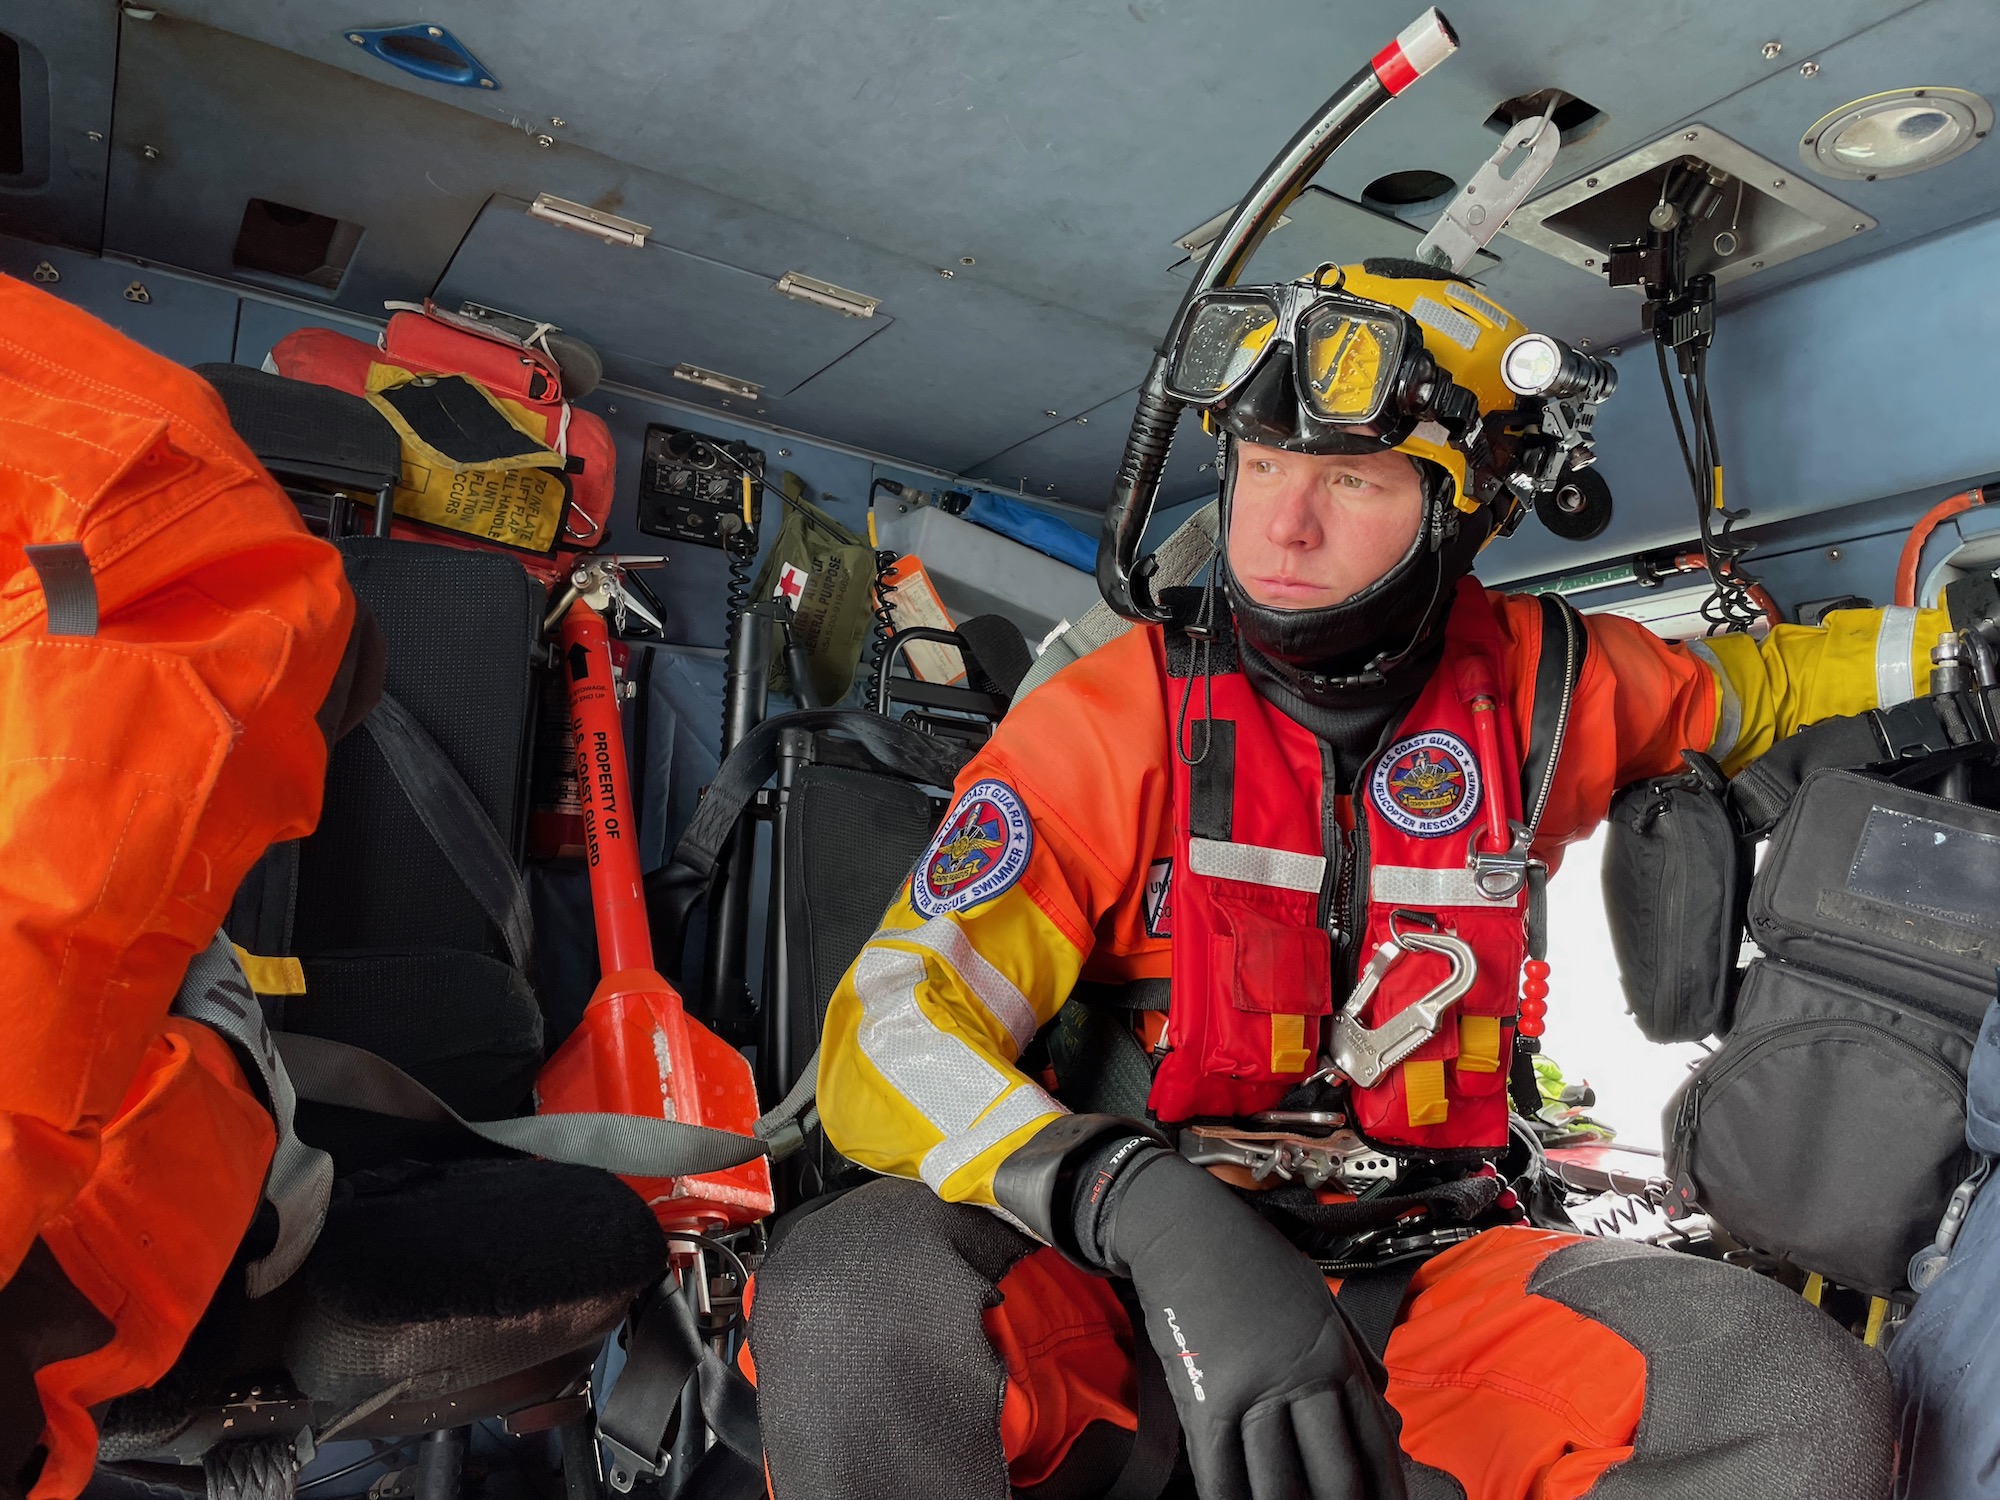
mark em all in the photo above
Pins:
pixel 188 321
pixel 70 56
pixel 653 303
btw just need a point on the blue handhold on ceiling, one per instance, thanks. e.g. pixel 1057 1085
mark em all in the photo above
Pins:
pixel 427 51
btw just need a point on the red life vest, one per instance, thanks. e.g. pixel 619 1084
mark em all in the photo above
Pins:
pixel 1267 881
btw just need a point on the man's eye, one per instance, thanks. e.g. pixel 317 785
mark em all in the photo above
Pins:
pixel 1265 466
pixel 1353 482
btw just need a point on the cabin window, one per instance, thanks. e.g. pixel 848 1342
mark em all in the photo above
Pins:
pixel 295 243
pixel 13 124
pixel 1590 1032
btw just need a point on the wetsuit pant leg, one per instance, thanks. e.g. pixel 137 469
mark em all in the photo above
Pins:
pixel 1537 1366
pixel 906 1346
pixel 915 1348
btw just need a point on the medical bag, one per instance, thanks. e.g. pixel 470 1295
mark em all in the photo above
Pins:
pixel 1828 1128
pixel 494 453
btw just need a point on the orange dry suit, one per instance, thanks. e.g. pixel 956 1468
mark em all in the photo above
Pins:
pixel 1065 859
pixel 168 633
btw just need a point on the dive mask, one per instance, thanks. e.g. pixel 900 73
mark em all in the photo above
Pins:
pixel 1306 366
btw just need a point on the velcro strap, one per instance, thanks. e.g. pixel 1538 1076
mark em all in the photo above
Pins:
pixel 1423 1091
pixel 1289 1052
pixel 1479 1044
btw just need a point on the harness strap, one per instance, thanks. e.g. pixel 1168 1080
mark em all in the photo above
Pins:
pixel 1156 1443
pixel 1371 1299
pixel 1565 648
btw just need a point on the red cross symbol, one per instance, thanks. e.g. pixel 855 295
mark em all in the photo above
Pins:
pixel 792 583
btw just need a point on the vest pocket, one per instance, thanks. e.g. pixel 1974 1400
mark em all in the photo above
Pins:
pixel 1273 961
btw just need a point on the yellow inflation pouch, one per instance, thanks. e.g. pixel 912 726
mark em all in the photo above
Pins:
pixel 473 463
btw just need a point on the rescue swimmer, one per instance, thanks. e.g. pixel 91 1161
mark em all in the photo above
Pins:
pixel 1317 799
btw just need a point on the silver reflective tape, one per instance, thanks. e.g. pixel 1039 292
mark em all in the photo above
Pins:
pixel 1895 644
pixel 1406 885
pixel 1024 1106
pixel 1465 296
pixel 941 1076
pixel 1447 322
pixel 994 990
pixel 1729 706
pixel 1255 865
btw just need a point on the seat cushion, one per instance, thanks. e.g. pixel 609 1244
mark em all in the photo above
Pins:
pixel 444 1276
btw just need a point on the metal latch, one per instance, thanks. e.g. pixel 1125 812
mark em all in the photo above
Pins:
pixel 1256 1159
pixel 1929 1262
pixel 1366 1055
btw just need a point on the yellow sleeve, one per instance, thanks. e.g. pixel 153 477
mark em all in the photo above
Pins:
pixel 916 1070
pixel 1798 674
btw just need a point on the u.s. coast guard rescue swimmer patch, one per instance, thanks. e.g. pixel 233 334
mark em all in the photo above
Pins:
pixel 981 849
pixel 1427 785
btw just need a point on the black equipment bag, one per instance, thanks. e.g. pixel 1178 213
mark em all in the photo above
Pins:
pixel 1829 1126
pixel 1677 866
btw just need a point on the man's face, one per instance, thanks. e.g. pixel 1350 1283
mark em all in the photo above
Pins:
pixel 1309 530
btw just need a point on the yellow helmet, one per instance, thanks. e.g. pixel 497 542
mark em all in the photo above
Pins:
pixel 1384 354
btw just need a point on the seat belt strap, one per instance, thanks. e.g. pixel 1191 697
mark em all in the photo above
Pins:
pixel 328 1072
pixel 299 1181
pixel 663 1352
pixel 456 822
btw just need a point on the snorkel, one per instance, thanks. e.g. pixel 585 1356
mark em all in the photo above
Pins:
pixel 1122 575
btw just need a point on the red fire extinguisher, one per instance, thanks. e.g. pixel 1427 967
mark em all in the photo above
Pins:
pixel 637 1051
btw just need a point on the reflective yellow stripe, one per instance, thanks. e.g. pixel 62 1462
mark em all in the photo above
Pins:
pixel 1289 1052
pixel 271 976
pixel 1423 1089
pixel 1479 1044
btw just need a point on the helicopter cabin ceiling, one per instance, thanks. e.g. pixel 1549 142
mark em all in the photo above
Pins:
pixel 1006 183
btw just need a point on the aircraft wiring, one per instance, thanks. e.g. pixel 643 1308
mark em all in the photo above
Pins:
pixel 1733 604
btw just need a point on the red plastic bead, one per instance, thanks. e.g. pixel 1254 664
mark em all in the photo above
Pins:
pixel 1536 968
pixel 1535 989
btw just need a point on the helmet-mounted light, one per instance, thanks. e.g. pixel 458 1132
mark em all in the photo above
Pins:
pixel 1537 364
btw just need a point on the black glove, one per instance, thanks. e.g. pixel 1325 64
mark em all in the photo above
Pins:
pixel 1276 1395
pixel 1973 603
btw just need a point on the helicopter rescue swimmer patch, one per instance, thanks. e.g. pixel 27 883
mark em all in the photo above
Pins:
pixel 980 851
pixel 1427 785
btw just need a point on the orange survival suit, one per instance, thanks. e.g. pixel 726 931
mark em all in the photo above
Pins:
pixel 168 635
pixel 1082 848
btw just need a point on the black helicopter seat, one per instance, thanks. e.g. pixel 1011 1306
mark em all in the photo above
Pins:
pixel 453 1281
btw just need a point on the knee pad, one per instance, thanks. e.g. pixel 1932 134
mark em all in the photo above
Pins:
pixel 1749 1390
pixel 874 1372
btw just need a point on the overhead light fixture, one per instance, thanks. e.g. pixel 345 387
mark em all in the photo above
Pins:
pixel 1198 239
pixel 1897 133
pixel 729 385
pixel 592 221
pixel 804 288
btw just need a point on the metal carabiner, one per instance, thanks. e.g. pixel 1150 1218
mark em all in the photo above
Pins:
pixel 1366 1055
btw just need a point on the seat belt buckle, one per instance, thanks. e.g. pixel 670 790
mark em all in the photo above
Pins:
pixel 627 1466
